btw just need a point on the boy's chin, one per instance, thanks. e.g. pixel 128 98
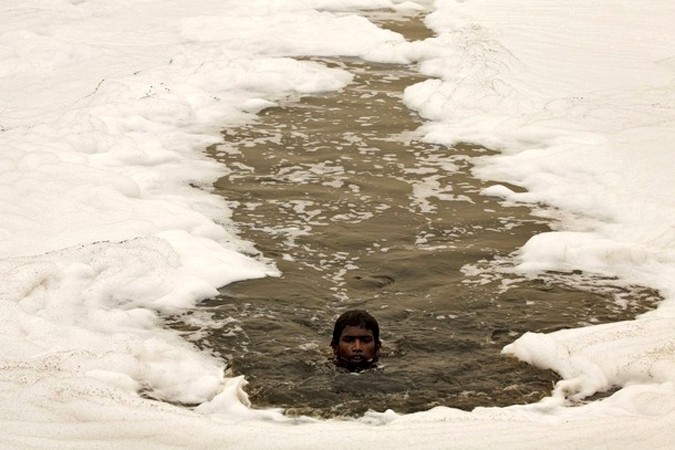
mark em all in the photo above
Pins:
pixel 354 364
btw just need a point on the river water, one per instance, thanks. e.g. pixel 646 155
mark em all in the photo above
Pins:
pixel 357 212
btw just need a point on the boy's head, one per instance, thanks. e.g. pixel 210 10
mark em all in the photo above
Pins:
pixel 356 340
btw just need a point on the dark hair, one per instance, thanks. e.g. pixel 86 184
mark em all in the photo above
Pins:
pixel 355 318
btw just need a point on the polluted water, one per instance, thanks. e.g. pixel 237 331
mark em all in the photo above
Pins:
pixel 342 195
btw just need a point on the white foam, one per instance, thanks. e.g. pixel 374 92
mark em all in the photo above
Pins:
pixel 578 96
pixel 107 106
pixel 106 109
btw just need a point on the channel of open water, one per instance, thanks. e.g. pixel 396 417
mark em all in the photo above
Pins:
pixel 357 212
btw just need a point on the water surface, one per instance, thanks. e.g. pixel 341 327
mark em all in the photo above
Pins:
pixel 357 212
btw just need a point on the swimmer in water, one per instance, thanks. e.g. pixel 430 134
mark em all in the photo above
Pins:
pixel 356 341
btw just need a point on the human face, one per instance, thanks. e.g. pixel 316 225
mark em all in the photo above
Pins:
pixel 356 345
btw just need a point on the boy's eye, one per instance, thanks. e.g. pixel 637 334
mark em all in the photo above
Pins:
pixel 350 339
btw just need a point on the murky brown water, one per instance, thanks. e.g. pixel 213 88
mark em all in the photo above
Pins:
pixel 357 212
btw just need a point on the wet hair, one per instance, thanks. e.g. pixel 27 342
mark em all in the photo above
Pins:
pixel 355 318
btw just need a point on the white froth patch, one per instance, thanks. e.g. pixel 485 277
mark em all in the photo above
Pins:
pixel 107 223
pixel 578 97
pixel 92 311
